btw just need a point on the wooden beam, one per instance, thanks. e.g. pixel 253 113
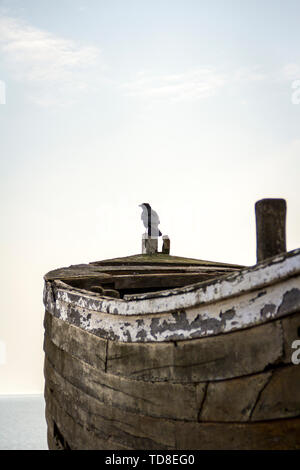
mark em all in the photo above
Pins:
pixel 270 228
pixel 140 281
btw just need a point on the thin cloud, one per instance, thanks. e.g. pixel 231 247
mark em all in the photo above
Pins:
pixel 51 65
pixel 192 85
pixel 249 74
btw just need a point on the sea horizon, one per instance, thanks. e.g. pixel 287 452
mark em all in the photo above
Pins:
pixel 22 422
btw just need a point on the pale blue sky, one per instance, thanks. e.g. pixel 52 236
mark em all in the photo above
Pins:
pixel 185 104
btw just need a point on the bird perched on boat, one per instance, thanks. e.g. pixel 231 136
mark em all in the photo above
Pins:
pixel 150 220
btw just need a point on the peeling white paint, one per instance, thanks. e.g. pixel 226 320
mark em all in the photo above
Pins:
pixel 241 300
pixel 233 285
pixel 204 320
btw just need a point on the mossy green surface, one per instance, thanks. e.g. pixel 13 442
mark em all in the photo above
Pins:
pixel 162 259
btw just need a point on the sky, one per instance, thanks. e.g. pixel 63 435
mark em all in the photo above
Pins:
pixel 190 105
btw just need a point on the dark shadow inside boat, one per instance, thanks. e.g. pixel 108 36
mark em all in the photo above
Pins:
pixel 143 284
pixel 140 274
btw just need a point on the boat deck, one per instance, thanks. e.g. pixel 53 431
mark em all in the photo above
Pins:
pixel 141 273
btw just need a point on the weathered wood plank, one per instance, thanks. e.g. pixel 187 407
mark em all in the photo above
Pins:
pixel 230 400
pixel 291 333
pixel 153 269
pixel 77 436
pixel 79 272
pixel 75 341
pixel 111 293
pixel 163 259
pixel 166 245
pixel 146 281
pixel 272 435
pixel 253 297
pixel 104 273
pixel 131 430
pixel 128 322
pixel 89 282
pixel 162 399
pixel 281 396
pixel 53 443
pixel 214 358
pixel 233 400
pixel 270 228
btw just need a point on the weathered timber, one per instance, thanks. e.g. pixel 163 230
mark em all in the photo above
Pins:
pixel 291 332
pixel 203 366
pixel 54 442
pixel 161 259
pixel 232 400
pixel 281 397
pixel 166 245
pixel 131 430
pixel 97 289
pixel 78 273
pixel 271 435
pixel 85 276
pixel 163 268
pixel 92 349
pixel 125 430
pixel 149 245
pixel 144 281
pixel 214 358
pixel 77 436
pixel 138 321
pixel 270 228
pixel 258 277
pixel 77 342
pixel 111 293
pixel 178 401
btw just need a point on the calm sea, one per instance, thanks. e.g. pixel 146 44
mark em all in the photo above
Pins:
pixel 22 422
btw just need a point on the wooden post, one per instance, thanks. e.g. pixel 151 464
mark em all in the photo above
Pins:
pixel 166 245
pixel 270 228
pixel 149 245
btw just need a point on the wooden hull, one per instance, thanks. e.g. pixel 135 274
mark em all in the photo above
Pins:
pixel 226 384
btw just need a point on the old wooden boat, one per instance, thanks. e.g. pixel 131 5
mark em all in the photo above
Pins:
pixel 155 351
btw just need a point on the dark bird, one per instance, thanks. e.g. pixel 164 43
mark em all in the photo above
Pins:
pixel 150 220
